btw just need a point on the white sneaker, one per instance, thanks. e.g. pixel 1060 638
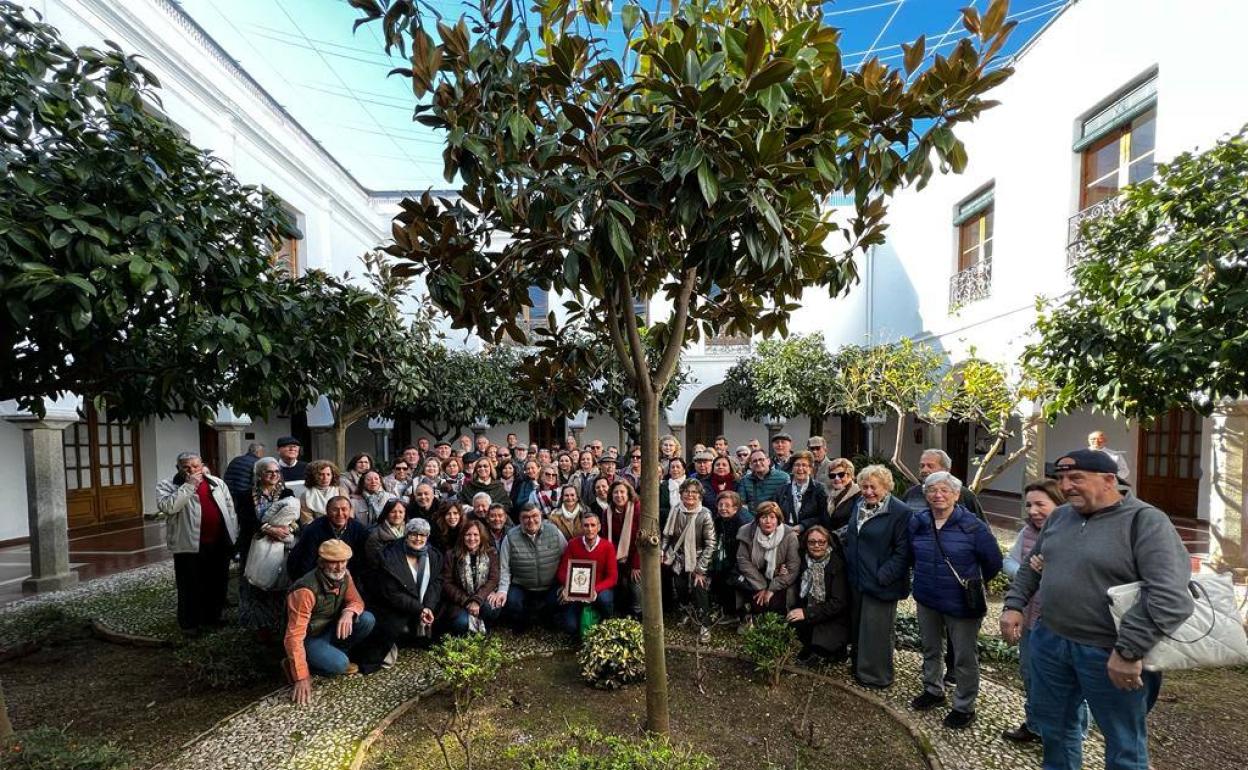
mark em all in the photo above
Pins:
pixel 392 657
pixel 704 635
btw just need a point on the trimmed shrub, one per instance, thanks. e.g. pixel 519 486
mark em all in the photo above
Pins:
pixel 771 644
pixel 612 655
pixel 588 749
pixel 46 748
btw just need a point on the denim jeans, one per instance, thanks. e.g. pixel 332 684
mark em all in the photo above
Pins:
pixel 1064 674
pixel 457 624
pixel 524 607
pixel 570 614
pixel 327 655
pixel 1024 669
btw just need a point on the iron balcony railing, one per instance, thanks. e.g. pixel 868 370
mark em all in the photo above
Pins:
pixel 1076 250
pixel 970 285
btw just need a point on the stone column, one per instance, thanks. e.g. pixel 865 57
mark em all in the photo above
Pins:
pixel 1228 486
pixel 1036 433
pixel 679 432
pixel 230 428
pixel 45 504
pixel 381 429
pixel 324 444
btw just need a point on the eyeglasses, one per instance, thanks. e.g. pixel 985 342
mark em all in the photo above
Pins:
pixel 813 541
pixel 271 470
pixel 635 457
pixel 838 475
pixel 401 468
pixel 548 473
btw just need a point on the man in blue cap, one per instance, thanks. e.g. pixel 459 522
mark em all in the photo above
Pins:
pixel 1098 539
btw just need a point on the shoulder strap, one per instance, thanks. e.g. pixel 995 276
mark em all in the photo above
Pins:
pixel 936 536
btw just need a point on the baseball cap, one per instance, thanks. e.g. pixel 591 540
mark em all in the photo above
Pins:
pixel 1091 460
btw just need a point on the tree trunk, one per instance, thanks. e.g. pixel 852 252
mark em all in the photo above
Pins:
pixel 340 444
pixel 897 439
pixel 657 718
pixel 6 727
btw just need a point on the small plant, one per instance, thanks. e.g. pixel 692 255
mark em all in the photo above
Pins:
pixel 467 665
pixel 989 648
pixel 588 749
pixel 771 644
pixel 47 748
pixel 227 659
pixel 612 655
pixel 43 624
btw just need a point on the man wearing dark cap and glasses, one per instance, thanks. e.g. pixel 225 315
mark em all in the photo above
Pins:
pixel 1098 539
pixel 293 469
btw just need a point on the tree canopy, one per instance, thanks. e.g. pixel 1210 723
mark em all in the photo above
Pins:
pixel 785 377
pixel 1159 313
pixel 695 167
pixel 135 269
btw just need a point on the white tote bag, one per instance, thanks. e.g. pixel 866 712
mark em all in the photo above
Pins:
pixel 1212 636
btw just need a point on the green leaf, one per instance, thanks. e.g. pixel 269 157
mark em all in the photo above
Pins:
pixel 620 242
pixel 708 183
pixel 774 72
pixel 622 210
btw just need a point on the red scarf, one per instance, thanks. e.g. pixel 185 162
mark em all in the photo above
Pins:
pixel 722 483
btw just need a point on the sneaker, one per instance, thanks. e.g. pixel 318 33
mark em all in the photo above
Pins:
pixel 1020 734
pixel 925 701
pixel 704 635
pixel 958 720
pixel 352 668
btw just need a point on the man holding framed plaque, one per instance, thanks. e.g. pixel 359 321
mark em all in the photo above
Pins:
pixel 587 573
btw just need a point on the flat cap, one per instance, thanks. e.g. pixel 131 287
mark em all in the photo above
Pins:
pixel 334 550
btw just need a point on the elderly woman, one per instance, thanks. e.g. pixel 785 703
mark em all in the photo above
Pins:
pixel 877 561
pixel 452 479
pixel 768 561
pixel 687 546
pixel 669 447
pixel 548 494
pixel 567 516
pixel 430 473
pixel 669 488
pixel 585 472
pixel 400 479
pixel 1040 499
pixel 954 555
pixel 730 517
pixel 468 578
pixel 843 493
pixel 408 588
pixel 261 610
pixel 483 481
pixel 370 497
pixel 321 483
pixel 821 614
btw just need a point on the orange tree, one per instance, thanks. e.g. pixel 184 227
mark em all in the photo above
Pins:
pixel 690 162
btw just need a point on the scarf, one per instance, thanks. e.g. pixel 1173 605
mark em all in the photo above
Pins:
pixel 814 589
pixel 624 538
pixel 373 503
pixel 686 540
pixel 264 499
pixel 867 512
pixel 420 573
pixel 388 533
pixel 314 498
pixel 570 515
pixel 673 492
pixel 547 499
pixel 767 546
pixel 849 491
pixel 474 570
pixel 722 483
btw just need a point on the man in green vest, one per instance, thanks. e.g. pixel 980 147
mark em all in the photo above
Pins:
pixel 527 562
pixel 325 619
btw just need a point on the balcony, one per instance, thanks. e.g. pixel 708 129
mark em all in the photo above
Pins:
pixel 727 343
pixel 970 285
pixel 1075 251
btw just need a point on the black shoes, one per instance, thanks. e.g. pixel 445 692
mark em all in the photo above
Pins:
pixel 926 701
pixel 1020 734
pixel 958 720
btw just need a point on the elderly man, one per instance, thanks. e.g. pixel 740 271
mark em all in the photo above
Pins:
pixel 442 450
pixel 1097 441
pixel 720 446
pixel 238 474
pixel 338 523
pixel 426 504
pixel 762 483
pixel 702 472
pixel 782 452
pixel 818 449
pixel 293 469
pixel 606 470
pixel 482 444
pixel 325 618
pixel 201 528
pixel 1097 540
pixel 588 547
pixel 931 461
pixel 528 561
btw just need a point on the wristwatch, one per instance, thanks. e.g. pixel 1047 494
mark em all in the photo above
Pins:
pixel 1127 655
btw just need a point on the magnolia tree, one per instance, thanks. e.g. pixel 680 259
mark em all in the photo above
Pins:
pixel 691 161
pixel 471 384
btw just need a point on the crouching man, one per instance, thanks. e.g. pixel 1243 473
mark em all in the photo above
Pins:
pixel 325 619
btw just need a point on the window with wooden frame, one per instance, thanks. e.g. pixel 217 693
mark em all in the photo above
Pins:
pixel 974 222
pixel 285 251
pixel 1116 145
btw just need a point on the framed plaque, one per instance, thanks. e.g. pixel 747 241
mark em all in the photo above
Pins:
pixel 582 576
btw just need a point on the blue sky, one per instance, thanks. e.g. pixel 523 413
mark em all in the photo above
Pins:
pixel 334 82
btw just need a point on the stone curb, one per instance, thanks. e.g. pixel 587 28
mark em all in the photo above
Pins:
pixel 109 634
pixel 922 740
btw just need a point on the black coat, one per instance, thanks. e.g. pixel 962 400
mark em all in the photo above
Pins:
pixel 395 592
pixel 828 620
pixel 814 503
pixel 877 557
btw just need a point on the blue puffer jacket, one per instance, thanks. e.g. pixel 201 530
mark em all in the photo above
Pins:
pixel 877 557
pixel 969 545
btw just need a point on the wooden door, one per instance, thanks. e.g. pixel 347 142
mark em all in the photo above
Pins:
pixel 547 433
pixel 208 450
pixel 703 425
pixel 853 436
pixel 102 481
pixel 1167 467
pixel 958 446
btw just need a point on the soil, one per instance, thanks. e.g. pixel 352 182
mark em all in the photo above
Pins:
pixel 740 722
pixel 138 697
pixel 1198 722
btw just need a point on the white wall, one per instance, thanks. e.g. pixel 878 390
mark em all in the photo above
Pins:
pixel 13 521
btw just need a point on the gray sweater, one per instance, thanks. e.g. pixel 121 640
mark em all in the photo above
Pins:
pixel 1085 555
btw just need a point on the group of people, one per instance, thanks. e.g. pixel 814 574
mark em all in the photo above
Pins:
pixel 460 540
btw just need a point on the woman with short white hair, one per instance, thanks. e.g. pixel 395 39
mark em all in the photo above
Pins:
pixel 954 555
pixel 877 562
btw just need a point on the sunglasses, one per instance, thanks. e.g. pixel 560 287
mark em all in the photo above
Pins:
pixel 401 468
pixel 838 475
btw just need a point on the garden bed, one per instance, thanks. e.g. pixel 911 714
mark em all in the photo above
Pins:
pixel 740 723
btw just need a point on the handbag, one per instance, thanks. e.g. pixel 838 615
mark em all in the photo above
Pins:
pixel 266 564
pixel 973 592
pixel 1213 635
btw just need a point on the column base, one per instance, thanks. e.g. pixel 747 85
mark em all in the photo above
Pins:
pixel 43 585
